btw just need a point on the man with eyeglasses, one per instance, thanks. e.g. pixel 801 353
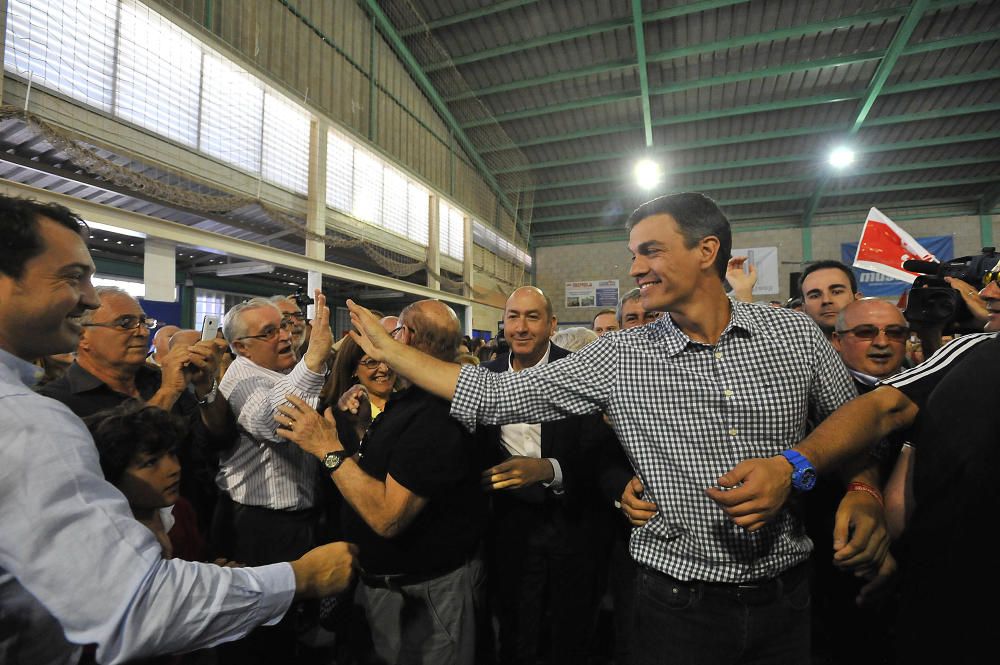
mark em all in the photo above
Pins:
pixel 295 319
pixel 267 510
pixel 111 368
pixel 75 565
pixel 942 500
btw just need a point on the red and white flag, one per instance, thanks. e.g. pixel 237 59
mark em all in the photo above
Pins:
pixel 884 246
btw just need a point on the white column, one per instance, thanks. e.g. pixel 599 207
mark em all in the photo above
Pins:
pixel 159 269
pixel 433 243
pixel 316 204
pixel 467 262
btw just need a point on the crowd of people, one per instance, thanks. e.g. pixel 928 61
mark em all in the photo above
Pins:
pixel 691 479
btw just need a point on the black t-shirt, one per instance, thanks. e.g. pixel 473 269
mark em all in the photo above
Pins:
pixel 416 442
pixel 949 545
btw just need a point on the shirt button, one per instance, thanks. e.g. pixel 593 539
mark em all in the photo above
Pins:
pixel 728 393
pixel 718 354
pixel 732 432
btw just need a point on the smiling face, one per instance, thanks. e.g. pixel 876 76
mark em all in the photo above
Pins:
pixel 824 293
pixel 879 357
pixel 151 480
pixel 40 312
pixel 605 323
pixel 375 376
pixel 527 326
pixel 111 347
pixel 667 272
pixel 274 353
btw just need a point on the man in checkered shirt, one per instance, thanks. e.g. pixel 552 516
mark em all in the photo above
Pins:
pixel 705 402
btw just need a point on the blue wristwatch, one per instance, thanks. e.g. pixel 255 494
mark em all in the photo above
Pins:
pixel 803 473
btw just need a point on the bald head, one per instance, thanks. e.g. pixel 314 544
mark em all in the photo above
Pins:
pixel 871 337
pixel 389 323
pixel 532 293
pixel 432 327
pixel 161 340
pixel 184 338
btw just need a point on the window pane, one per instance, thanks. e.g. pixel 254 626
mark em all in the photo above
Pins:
pixel 339 173
pixel 417 204
pixel 367 187
pixel 285 155
pixel 159 66
pixel 232 109
pixel 67 48
pixel 394 201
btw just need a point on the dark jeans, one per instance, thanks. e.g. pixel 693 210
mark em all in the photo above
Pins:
pixel 684 623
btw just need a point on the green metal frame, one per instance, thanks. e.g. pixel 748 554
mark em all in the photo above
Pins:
pixel 575 33
pixel 777 70
pixel 816 100
pixel 494 8
pixel 640 55
pixel 897 48
pixel 387 29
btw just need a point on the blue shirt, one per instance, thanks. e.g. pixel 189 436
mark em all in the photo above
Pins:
pixel 686 413
pixel 74 562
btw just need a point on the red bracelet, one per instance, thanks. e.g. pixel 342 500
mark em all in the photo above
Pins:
pixel 865 487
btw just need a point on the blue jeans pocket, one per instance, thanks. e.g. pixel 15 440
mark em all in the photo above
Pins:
pixel 666 594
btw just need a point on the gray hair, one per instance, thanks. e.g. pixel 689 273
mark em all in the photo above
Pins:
pixel 575 338
pixel 102 291
pixel 631 295
pixel 232 323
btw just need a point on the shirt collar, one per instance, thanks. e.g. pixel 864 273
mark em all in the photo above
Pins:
pixel 541 361
pixel 861 377
pixel 81 381
pixel 28 373
pixel 741 321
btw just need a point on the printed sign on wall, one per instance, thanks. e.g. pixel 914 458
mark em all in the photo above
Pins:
pixel 600 293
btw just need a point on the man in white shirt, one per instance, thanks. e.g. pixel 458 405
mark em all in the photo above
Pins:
pixel 75 566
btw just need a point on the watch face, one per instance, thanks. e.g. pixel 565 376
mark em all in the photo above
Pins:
pixel 332 461
pixel 808 479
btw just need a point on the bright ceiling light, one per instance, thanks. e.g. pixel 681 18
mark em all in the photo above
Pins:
pixel 647 173
pixel 841 157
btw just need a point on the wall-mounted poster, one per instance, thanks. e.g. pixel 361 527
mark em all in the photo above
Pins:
pixel 765 259
pixel 600 293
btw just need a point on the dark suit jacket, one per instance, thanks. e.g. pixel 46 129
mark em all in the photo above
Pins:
pixel 588 454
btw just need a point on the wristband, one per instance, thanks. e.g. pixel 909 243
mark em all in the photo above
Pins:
pixel 865 487
pixel 210 395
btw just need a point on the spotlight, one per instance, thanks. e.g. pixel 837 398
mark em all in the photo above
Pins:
pixel 841 157
pixel 647 173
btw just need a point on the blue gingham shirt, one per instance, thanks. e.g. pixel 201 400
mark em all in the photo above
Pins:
pixel 686 413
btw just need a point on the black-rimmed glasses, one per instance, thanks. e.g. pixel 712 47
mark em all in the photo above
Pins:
pixel 128 322
pixel 397 329
pixel 895 333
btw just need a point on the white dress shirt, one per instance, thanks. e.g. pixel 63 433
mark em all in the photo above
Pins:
pixel 525 439
pixel 77 568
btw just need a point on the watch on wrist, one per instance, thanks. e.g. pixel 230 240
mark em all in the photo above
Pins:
pixel 209 397
pixel 333 460
pixel 803 473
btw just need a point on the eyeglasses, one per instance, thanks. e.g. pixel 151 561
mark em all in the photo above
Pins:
pixel 895 333
pixel 269 335
pixel 370 363
pixel 288 322
pixel 992 276
pixel 126 323
pixel 397 329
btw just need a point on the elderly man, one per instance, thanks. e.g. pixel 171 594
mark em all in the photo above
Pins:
pixel 161 342
pixel 295 319
pixel 605 321
pixel 110 368
pixel 721 571
pixel 413 505
pixel 871 339
pixel 827 287
pixel 75 566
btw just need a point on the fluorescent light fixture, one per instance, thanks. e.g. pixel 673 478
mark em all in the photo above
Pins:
pixel 114 229
pixel 380 295
pixel 647 173
pixel 841 157
pixel 246 268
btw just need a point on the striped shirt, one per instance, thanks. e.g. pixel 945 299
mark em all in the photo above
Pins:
pixel 263 469
pixel 687 412
pixel 917 382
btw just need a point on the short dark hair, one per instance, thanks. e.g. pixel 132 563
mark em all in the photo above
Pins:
pixel 601 313
pixel 824 265
pixel 631 295
pixel 129 429
pixel 20 240
pixel 697 217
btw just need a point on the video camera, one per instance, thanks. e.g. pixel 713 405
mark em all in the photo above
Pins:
pixel 933 303
pixel 302 300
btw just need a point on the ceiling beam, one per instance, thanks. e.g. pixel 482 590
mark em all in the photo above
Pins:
pixel 575 33
pixel 640 55
pixel 816 100
pixel 387 29
pixel 897 48
pixel 489 10
pixel 728 203
pixel 697 49
pixel 788 68
pixel 778 180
